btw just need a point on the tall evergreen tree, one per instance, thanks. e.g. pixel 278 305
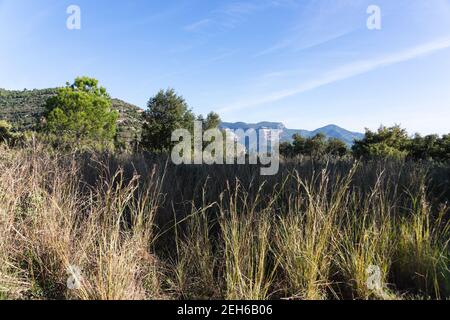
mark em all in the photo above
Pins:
pixel 166 112
pixel 81 112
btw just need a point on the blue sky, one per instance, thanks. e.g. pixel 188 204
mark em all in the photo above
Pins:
pixel 306 63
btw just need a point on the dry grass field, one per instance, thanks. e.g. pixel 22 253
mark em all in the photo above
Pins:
pixel 137 227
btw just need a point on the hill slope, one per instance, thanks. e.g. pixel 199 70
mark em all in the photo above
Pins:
pixel 24 110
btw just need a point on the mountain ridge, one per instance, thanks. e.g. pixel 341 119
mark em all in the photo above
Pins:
pixel 330 131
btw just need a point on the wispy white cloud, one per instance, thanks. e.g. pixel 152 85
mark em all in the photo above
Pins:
pixel 344 72
pixel 317 23
pixel 234 13
pixel 248 7
pixel 240 8
pixel 197 25
pixel 293 42
pixel 195 68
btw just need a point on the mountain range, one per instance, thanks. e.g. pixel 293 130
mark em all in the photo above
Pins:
pixel 330 131
pixel 24 109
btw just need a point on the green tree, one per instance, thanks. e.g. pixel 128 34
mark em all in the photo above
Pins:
pixel 166 112
pixel 390 142
pixel 8 136
pixel 287 150
pixel 336 147
pixel 5 132
pixel 212 121
pixel 81 112
pixel 442 152
pixel 316 146
pixel 423 148
pixel 298 145
pixel 430 147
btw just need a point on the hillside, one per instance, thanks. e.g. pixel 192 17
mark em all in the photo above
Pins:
pixel 331 131
pixel 24 110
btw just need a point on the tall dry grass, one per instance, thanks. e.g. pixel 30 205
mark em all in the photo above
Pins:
pixel 304 238
pixel 51 223
pixel 366 241
pixel 245 234
pixel 139 228
pixel 422 250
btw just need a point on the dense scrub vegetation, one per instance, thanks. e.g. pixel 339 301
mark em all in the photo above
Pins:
pixel 24 108
pixel 393 143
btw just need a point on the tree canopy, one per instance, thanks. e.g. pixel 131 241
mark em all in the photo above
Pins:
pixel 385 143
pixel 5 131
pixel 394 142
pixel 81 112
pixel 315 146
pixel 167 111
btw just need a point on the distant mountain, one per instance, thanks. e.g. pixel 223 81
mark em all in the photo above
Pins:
pixel 330 131
pixel 24 110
